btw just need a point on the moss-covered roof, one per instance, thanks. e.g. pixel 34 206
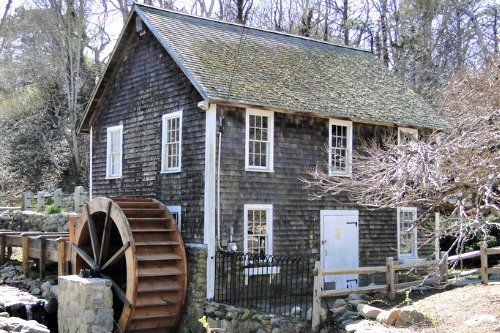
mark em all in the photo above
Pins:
pixel 233 63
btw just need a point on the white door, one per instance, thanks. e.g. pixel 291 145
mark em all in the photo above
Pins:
pixel 340 246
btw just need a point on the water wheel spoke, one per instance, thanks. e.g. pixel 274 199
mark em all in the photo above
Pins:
pixel 106 233
pixel 81 252
pixel 120 253
pixel 93 235
pixel 118 291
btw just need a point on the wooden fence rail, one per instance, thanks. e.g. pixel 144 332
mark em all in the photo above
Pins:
pixel 438 275
pixel 79 196
pixel 8 202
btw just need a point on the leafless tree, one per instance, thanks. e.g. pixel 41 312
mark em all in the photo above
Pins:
pixel 454 171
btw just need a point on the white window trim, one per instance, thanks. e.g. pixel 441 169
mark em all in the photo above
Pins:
pixel 269 225
pixel 178 210
pixel 414 254
pixel 165 117
pixel 348 125
pixel 270 134
pixel 411 131
pixel 109 130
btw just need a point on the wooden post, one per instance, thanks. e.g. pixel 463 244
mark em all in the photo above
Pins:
pixel 43 256
pixel 316 305
pixel 390 277
pixel 58 198
pixel 3 242
pixel 484 262
pixel 26 251
pixel 79 198
pixel 40 201
pixel 61 254
pixel 443 267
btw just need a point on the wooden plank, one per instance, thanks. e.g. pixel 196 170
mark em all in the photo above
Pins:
pixel 462 256
pixel 484 262
pixel 390 278
pixel 493 270
pixel 26 247
pixel 61 256
pixel 493 250
pixel 359 270
pixel 404 285
pixel 317 287
pixel 360 290
pixel 41 259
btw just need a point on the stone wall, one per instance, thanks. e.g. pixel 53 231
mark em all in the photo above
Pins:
pixel 85 305
pixel 196 295
pixel 31 221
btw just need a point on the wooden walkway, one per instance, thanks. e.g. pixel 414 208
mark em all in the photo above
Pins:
pixel 43 246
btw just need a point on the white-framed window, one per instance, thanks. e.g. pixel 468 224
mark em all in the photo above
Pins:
pixel 114 143
pixel 171 142
pixel 407 232
pixel 258 229
pixel 259 142
pixel 176 212
pixel 405 134
pixel 340 144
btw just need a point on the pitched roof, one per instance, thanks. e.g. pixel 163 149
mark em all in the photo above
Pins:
pixel 228 62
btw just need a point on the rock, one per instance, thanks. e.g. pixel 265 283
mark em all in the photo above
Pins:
pixel 354 303
pixel 323 314
pixel 4 315
pixel 480 320
pixel 368 311
pixel 15 324
pixel 348 315
pixel 388 317
pixel 338 303
pixel 409 317
pixel 35 291
pixel 353 297
pixel 336 313
pixel 296 311
pixel 45 287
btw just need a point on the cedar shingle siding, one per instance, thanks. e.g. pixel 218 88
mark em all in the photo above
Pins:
pixel 182 60
pixel 149 84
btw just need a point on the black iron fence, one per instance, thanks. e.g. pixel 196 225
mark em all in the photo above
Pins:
pixel 273 284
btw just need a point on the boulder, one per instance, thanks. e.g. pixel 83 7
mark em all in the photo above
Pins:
pixel 368 311
pixel 409 317
pixel 480 320
pixel 388 317
pixel 338 303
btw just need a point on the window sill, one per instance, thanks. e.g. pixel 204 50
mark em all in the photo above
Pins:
pixel 171 171
pixel 259 170
pixel 113 177
pixel 340 174
pixel 410 260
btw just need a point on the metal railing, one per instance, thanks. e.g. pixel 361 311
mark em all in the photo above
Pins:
pixel 274 284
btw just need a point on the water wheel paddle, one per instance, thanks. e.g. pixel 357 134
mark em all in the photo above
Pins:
pixel 136 244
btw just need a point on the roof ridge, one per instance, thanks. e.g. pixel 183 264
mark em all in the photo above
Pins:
pixel 254 28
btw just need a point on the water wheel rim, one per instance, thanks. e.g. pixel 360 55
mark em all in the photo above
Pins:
pixel 113 213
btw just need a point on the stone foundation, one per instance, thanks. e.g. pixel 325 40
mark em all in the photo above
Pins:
pixel 85 305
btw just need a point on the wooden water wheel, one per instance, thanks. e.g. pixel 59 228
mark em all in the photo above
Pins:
pixel 136 244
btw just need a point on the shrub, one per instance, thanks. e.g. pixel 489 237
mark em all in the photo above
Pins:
pixel 51 209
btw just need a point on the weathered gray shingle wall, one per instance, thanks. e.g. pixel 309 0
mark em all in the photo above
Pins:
pixel 149 84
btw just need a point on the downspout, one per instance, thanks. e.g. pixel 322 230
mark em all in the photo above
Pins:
pixel 219 134
pixel 90 164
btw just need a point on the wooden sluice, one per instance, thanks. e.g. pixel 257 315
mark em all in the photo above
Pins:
pixel 44 246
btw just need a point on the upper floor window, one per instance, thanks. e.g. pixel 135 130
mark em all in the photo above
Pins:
pixel 259 140
pixel 340 155
pixel 258 228
pixel 405 134
pixel 171 142
pixel 114 144
pixel 407 232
